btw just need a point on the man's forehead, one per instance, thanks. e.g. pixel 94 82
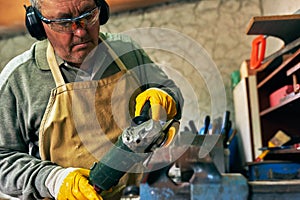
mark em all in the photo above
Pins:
pixel 56 8
pixel 66 3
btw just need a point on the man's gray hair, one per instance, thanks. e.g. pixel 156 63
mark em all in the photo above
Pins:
pixel 36 3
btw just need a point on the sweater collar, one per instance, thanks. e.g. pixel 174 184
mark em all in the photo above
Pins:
pixel 41 57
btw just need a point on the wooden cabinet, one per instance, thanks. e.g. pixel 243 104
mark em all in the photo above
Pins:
pixel 280 72
pixel 285 115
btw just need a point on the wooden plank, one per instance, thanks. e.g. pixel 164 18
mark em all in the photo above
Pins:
pixel 284 186
pixel 285 27
pixel 247 118
pixel 293 69
pixel 293 58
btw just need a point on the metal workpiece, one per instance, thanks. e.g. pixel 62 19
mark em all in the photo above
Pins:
pixel 148 136
pixel 139 138
pixel 193 175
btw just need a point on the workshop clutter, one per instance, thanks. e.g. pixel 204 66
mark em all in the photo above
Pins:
pixel 280 95
pixel 200 169
pixel 273 170
pixel 221 126
pixel 278 140
pixel 269 89
pixel 287 92
pixel 198 177
pixel 266 102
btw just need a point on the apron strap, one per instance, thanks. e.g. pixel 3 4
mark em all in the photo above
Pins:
pixel 118 61
pixel 114 56
pixel 58 78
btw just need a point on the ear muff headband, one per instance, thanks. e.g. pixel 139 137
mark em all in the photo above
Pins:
pixel 35 27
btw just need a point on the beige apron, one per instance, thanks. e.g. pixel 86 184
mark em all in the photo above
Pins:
pixel 83 119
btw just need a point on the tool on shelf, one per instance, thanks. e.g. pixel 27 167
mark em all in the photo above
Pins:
pixel 278 140
pixel 258 51
pixel 294 146
pixel 293 72
pixel 206 124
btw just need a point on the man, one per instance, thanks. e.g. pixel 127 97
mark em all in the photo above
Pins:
pixel 64 100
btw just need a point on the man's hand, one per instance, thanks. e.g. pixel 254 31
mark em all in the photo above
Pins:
pixel 163 106
pixel 71 184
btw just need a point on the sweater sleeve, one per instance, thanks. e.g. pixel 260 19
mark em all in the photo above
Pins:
pixel 148 73
pixel 21 174
pixel 151 75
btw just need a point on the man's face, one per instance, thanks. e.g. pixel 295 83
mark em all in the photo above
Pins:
pixel 75 46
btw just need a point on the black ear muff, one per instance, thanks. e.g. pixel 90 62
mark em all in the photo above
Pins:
pixel 34 24
pixel 104 11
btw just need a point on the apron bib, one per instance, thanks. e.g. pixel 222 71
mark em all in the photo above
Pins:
pixel 84 119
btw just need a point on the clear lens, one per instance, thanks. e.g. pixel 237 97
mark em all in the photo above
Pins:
pixel 61 26
pixel 69 25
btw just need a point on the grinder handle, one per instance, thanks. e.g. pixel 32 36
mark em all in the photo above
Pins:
pixel 103 175
pixel 144 116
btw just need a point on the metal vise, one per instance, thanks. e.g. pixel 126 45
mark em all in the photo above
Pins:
pixel 194 174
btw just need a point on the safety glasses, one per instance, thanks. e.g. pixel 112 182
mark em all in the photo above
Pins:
pixel 69 25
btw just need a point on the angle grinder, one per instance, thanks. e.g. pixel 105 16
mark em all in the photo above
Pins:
pixel 133 146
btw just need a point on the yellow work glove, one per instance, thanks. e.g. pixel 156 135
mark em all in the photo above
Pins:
pixel 171 133
pixel 163 107
pixel 71 184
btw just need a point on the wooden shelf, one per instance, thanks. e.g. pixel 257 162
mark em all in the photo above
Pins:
pixel 293 69
pixel 284 107
pixel 285 27
pixel 280 72
pixel 284 151
pixel 292 61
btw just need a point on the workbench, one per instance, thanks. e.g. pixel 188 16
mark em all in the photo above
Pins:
pixel 281 190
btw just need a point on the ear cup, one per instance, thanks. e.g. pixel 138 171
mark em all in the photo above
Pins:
pixel 104 11
pixel 34 24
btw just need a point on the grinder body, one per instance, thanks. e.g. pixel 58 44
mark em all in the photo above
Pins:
pixel 133 146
